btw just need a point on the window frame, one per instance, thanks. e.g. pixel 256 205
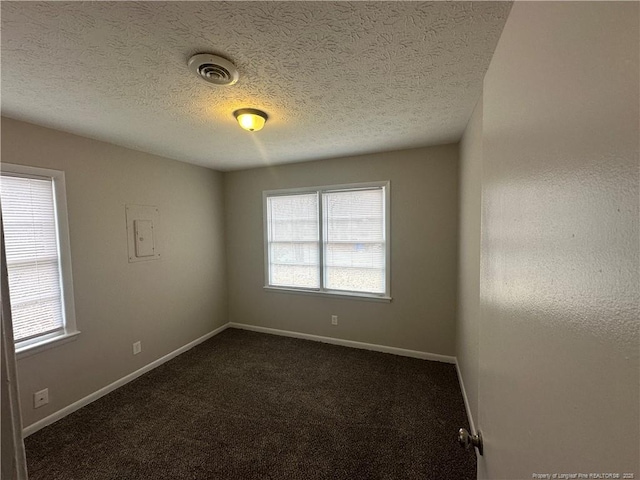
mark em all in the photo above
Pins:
pixel 318 190
pixel 69 331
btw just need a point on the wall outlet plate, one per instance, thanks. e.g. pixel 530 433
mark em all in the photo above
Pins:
pixel 334 319
pixel 40 398
pixel 137 347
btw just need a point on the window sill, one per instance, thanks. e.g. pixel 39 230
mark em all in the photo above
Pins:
pixel 34 348
pixel 346 296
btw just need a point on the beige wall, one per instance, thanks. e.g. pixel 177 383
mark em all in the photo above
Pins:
pixel 424 231
pixel 559 357
pixel 468 318
pixel 165 303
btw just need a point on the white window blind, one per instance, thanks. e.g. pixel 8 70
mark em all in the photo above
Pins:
pixel 329 239
pixel 293 234
pixel 32 256
pixel 354 240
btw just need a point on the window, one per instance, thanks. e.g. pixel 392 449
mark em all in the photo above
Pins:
pixel 330 240
pixel 37 256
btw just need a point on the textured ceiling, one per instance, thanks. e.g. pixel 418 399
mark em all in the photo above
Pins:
pixel 336 78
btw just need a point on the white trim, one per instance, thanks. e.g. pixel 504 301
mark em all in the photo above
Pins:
pixel 330 293
pixel 34 427
pixel 466 400
pixel 385 185
pixel 326 188
pixel 45 343
pixel 347 343
pixel 62 231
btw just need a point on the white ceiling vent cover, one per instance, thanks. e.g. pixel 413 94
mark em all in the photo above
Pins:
pixel 214 69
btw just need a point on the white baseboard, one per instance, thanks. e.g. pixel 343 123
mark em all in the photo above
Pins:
pixel 347 343
pixel 54 417
pixel 466 400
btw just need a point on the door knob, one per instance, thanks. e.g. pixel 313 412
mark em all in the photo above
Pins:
pixel 466 440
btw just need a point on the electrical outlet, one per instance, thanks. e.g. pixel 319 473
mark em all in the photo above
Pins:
pixel 334 319
pixel 137 347
pixel 41 398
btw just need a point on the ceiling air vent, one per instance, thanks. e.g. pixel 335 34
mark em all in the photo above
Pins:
pixel 214 69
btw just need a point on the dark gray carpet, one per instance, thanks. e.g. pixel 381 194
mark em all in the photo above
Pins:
pixel 246 405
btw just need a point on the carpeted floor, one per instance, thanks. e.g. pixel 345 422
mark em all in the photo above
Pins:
pixel 247 405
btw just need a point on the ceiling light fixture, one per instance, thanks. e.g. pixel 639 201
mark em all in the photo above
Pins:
pixel 251 119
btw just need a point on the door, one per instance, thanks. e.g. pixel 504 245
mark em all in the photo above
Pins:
pixel 558 339
pixel 13 462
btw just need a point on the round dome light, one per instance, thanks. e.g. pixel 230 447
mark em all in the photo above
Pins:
pixel 250 119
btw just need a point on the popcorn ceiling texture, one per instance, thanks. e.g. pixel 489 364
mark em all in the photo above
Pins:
pixel 336 78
